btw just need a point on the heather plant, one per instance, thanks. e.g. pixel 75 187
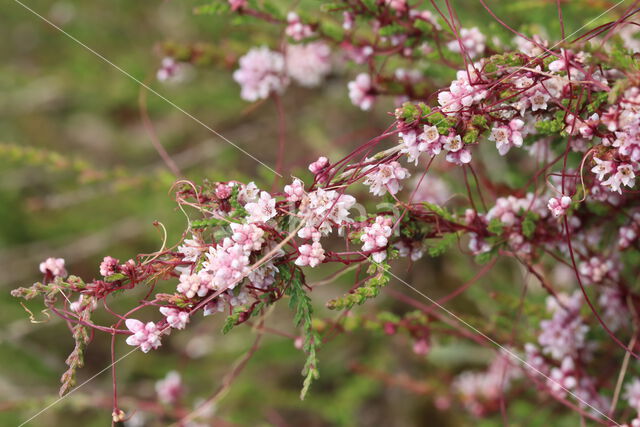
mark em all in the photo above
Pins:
pixel 527 154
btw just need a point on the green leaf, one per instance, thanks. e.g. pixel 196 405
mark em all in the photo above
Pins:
pixel 301 303
pixel 529 225
pixel 440 211
pixel 495 226
pixel 442 245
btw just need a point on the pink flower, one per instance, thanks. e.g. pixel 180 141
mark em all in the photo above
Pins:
pixel 538 101
pixel 249 236
pixel 347 21
pixel 323 209
pixel 191 249
pixel 376 236
pixel 223 191
pixel 262 210
pixel 459 157
pixel 399 6
pixel 53 266
pixel 507 136
pixel 227 264
pixel 421 347
pixel 624 176
pixel 559 205
pixel 193 284
pixel 597 268
pixel 109 266
pixel 310 255
pixel 632 394
pixel 237 4
pixel 428 141
pixel 146 336
pixel 319 165
pixel 296 29
pixel 471 39
pixel 261 73
pixel 169 71
pixel 294 191
pixel 386 177
pixel 170 388
pixel 361 92
pixel 602 168
pixel 177 319
pixel 308 64
pixel 564 377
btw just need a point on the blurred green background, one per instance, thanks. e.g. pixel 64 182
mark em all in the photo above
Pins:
pixel 80 179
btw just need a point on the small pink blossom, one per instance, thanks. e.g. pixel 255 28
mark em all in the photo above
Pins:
pixel 539 101
pixel 459 157
pixel 319 165
pixel 53 266
pixel 147 336
pixel 261 73
pixel 361 92
pixel 249 236
pixel 632 394
pixel 191 249
pixel 311 255
pixel 421 347
pixel 400 6
pixel 296 29
pixel 109 266
pixel 237 4
pixel 227 264
pixel 386 177
pixel 193 284
pixel 507 136
pixel 262 210
pixel 223 191
pixel 347 21
pixel 602 168
pixel 170 388
pixel 169 71
pixel 559 205
pixel 177 319
pixel 376 235
pixel 294 191
pixel 472 40
pixel 308 64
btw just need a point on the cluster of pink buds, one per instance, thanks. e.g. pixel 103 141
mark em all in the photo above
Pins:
pixel 376 236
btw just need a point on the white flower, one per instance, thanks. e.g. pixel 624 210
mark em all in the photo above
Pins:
pixel 386 177
pixel 308 64
pixel 261 73
pixel 177 319
pixel 310 255
pixel 539 101
pixel 361 91
pixel 262 210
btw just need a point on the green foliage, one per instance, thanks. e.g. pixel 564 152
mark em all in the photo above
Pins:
pixel 301 303
pixel 440 211
pixel 441 245
pixel 370 289
pixel 208 222
pixel 217 7
pixel 332 30
pixel 485 257
pixel 495 226
pixel 529 224
pixel 390 30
